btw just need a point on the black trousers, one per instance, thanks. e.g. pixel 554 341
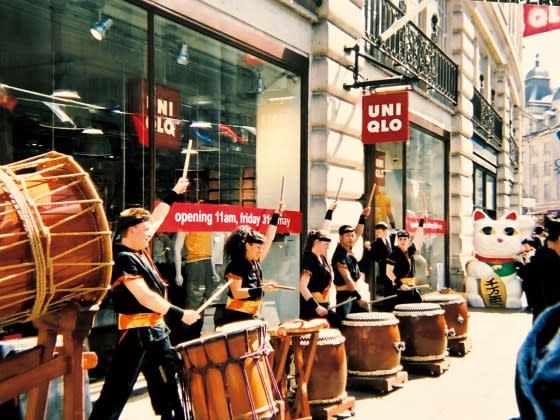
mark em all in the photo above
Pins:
pixel 145 350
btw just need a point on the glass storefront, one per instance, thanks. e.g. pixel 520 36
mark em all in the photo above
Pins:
pixel 86 78
pixel 410 184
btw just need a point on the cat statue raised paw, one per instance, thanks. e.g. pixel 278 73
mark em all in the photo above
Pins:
pixel 491 278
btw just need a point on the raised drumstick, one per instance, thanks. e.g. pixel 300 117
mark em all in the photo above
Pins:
pixel 187 159
pixel 339 187
pixel 371 195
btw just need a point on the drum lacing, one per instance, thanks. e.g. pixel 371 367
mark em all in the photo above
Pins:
pixel 33 226
pixel 261 351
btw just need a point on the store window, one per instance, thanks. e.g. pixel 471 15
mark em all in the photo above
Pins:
pixel 485 190
pixel 426 198
pixel 85 91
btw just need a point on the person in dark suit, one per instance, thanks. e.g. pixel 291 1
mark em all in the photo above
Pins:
pixel 381 248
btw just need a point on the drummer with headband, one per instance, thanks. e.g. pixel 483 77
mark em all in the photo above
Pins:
pixel 316 276
pixel 245 249
pixel 140 297
pixel 401 267
pixel 346 269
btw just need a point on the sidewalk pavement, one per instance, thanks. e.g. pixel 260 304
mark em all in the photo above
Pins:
pixel 479 385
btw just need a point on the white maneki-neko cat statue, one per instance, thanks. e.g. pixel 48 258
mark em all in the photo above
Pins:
pixel 492 279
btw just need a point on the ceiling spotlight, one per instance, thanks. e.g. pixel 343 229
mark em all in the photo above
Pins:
pixel 260 83
pixel 66 94
pixel 183 57
pixel 99 29
pixel 90 131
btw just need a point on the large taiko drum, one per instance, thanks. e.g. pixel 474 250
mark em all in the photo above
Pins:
pixel 228 375
pixel 424 331
pixel 327 382
pixel 456 312
pixel 373 344
pixel 55 241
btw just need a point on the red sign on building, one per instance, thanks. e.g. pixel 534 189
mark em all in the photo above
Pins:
pixel 385 117
pixel 167 107
pixel 190 217
pixel 539 19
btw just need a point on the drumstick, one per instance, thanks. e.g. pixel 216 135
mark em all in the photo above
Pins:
pixel 214 296
pixel 187 158
pixel 282 191
pixel 422 286
pixel 339 187
pixel 371 195
pixel 344 302
pixel 279 286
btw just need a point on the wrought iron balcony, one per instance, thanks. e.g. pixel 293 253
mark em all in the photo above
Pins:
pixel 409 49
pixel 487 122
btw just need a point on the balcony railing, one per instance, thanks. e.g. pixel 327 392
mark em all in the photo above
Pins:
pixel 487 122
pixel 409 49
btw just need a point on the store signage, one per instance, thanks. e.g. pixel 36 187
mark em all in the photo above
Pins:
pixel 431 226
pixel 167 103
pixel 385 117
pixel 539 19
pixel 190 217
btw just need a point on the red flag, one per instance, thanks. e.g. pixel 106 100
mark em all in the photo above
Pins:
pixel 539 19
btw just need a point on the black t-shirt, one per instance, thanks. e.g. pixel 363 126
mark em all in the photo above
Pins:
pixel 321 274
pixel 342 256
pixel 403 266
pixel 250 274
pixel 129 262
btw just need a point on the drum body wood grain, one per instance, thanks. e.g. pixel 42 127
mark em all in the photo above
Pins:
pixel 227 375
pixel 55 241
pixel 424 331
pixel 327 383
pixel 456 312
pixel 373 344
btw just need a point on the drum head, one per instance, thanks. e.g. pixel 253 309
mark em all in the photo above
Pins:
pixel 327 336
pixel 234 327
pixel 415 309
pixel 443 298
pixel 370 318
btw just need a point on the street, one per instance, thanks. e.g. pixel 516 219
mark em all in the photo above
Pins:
pixel 476 386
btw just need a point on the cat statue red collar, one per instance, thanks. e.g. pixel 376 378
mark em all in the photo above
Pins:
pixel 491 278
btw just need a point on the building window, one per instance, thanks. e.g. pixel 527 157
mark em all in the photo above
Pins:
pixel 485 190
pixel 240 113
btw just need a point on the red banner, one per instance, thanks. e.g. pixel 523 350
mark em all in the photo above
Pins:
pixel 431 226
pixel 385 117
pixel 190 217
pixel 539 19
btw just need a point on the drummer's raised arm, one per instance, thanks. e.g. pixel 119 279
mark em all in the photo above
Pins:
pixel 327 221
pixel 161 210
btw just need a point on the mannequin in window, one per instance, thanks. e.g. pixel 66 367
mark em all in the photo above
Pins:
pixel 383 208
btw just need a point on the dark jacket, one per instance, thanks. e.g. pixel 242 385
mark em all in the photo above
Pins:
pixel 537 379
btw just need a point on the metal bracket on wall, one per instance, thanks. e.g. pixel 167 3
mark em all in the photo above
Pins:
pixel 400 80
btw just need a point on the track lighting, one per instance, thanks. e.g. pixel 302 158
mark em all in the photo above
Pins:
pixel 183 57
pixel 99 29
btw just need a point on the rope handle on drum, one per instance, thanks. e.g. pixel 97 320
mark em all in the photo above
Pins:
pixel 18 196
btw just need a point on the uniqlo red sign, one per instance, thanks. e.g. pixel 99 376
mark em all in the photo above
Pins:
pixel 538 19
pixel 385 117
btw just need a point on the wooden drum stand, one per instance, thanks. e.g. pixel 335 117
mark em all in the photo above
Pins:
pixel 285 338
pixel 30 371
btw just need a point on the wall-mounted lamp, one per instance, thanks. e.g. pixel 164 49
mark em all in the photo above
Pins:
pixel 99 29
pixel 183 57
